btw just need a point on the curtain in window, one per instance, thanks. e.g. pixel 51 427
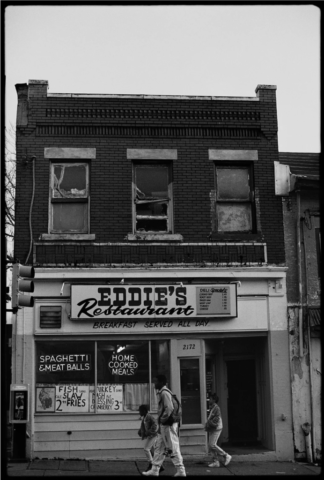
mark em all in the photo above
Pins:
pixel 136 394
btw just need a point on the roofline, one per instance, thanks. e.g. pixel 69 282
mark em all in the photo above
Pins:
pixel 149 97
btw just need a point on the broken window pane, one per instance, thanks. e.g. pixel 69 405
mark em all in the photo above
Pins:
pixel 150 225
pixel 234 217
pixel 154 209
pixel 69 204
pixel 152 198
pixel 151 182
pixel 70 181
pixel 233 184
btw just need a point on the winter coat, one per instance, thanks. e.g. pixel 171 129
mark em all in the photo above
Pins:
pixel 149 427
pixel 214 421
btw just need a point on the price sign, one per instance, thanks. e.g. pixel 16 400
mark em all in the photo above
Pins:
pixel 109 398
pixel 72 398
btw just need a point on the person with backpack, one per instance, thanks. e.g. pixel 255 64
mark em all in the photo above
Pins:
pixel 169 412
pixel 148 432
pixel 214 427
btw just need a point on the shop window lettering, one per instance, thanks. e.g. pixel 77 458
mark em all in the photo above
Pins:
pixel 69 381
pixel 123 364
pixel 64 363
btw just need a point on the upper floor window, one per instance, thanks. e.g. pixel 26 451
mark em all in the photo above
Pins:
pixel 152 193
pixel 69 202
pixel 235 210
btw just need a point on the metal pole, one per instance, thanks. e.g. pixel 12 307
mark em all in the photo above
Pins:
pixel 300 308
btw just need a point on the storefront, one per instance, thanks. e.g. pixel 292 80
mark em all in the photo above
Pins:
pixel 95 340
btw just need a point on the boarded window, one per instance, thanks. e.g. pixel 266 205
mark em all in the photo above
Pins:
pixel 69 198
pixel 234 199
pixel 152 198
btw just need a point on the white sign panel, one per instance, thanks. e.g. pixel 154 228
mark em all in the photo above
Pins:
pixel 72 398
pixel 115 302
pixel 109 398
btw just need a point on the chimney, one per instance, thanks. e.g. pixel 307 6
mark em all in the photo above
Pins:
pixel 37 88
pixel 22 107
pixel 266 93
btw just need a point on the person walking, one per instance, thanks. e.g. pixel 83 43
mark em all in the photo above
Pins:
pixel 168 442
pixel 148 432
pixel 214 427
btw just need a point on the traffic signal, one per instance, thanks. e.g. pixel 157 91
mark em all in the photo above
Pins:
pixel 21 282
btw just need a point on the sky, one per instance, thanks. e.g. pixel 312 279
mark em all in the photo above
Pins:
pixel 173 50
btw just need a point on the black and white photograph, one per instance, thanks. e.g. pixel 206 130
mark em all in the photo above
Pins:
pixel 162 239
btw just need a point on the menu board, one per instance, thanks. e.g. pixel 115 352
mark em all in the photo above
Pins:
pixel 79 398
pixel 213 299
pixel 109 398
pixel 209 383
pixel 72 398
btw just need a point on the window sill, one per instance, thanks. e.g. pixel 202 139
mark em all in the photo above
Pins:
pixel 68 236
pixel 237 237
pixel 153 237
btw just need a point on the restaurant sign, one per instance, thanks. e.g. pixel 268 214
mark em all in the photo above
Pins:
pixel 113 302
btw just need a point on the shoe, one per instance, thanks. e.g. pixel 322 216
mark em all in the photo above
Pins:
pixel 180 473
pixel 154 472
pixel 148 467
pixel 228 458
pixel 214 464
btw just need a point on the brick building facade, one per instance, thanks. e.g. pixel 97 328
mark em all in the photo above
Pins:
pixel 154 230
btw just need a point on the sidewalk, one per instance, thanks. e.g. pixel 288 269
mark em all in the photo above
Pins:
pixel 194 467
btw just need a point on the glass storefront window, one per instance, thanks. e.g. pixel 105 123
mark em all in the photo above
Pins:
pixel 67 375
pixel 123 364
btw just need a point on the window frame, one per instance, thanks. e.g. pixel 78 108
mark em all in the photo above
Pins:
pixel 249 166
pixel 54 200
pixel 169 216
pixel 94 383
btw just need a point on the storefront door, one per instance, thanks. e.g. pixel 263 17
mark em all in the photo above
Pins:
pixel 190 390
pixel 242 401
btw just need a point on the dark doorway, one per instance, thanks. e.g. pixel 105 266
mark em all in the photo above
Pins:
pixel 190 390
pixel 242 404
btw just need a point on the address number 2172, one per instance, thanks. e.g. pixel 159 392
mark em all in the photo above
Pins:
pixel 188 346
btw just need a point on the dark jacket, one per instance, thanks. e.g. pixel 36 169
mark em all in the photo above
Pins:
pixel 149 427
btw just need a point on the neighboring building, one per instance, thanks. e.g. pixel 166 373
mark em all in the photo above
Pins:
pixel 301 210
pixel 158 245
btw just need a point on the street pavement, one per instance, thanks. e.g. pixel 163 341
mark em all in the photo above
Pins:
pixel 194 467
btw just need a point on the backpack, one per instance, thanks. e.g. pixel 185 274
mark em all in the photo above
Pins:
pixel 176 415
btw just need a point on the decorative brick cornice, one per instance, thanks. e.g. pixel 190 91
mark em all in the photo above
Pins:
pixel 147 131
pixel 128 254
pixel 145 114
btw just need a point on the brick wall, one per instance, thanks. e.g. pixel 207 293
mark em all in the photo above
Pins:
pixel 113 124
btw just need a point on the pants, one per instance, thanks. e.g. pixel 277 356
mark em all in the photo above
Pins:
pixel 168 441
pixel 149 442
pixel 212 442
